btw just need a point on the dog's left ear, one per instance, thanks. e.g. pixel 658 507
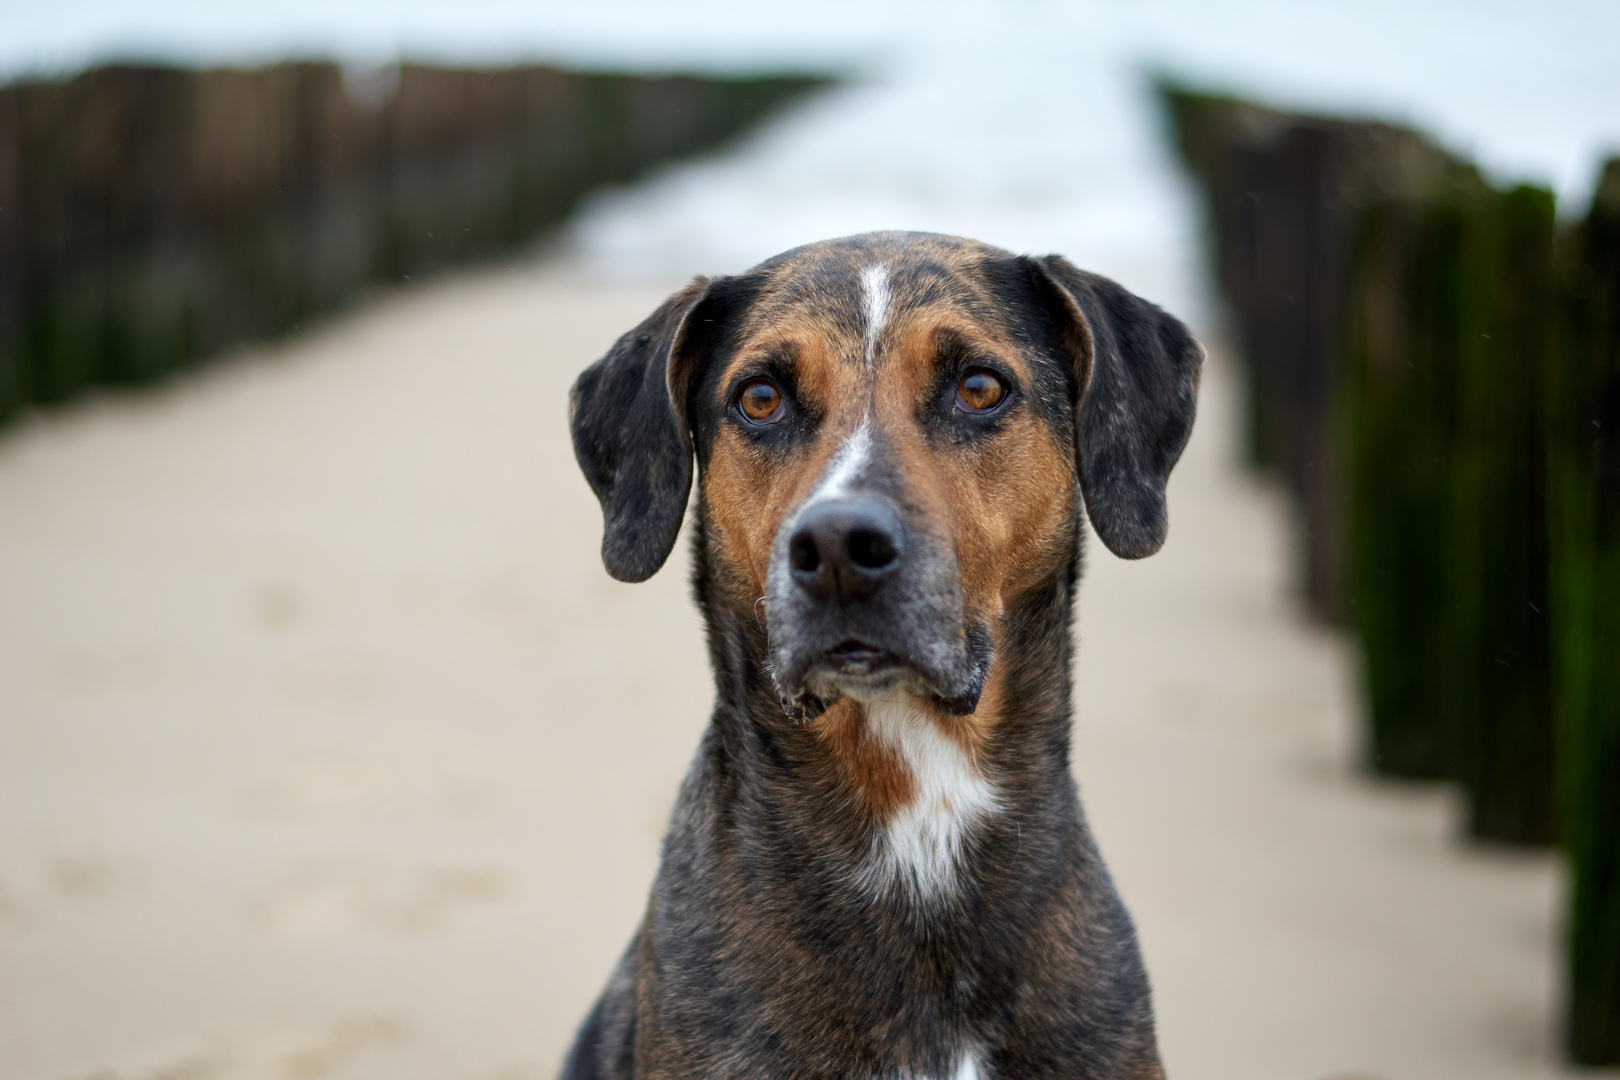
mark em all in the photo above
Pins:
pixel 1138 371
pixel 631 438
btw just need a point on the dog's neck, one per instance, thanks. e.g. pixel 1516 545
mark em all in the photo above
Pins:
pixel 896 798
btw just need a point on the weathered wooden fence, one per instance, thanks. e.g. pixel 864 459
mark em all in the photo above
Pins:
pixel 1284 195
pixel 150 216
pixel 1434 368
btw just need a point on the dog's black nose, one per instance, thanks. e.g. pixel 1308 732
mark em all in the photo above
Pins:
pixel 842 549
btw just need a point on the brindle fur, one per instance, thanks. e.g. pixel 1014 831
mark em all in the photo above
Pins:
pixel 762 954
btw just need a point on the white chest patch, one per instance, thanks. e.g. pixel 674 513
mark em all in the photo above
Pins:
pixel 966 1069
pixel 920 849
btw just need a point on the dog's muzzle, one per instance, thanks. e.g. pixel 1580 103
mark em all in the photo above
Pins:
pixel 860 605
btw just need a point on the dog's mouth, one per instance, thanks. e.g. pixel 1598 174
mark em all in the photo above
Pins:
pixel 859 669
pixel 950 674
pixel 856 658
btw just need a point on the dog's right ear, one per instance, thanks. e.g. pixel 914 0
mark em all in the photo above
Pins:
pixel 1138 370
pixel 631 438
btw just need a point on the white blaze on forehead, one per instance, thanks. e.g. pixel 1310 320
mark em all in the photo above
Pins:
pixel 921 846
pixel 875 286
pixel 852 456
pixel 846 464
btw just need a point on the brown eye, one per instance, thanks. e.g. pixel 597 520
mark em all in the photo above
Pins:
pixel 761 401
pixel 979 391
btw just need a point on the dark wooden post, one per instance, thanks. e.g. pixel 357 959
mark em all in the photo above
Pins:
pixel 1584 480
pixel 13 260
pixel 1398 422
pixel 1497 680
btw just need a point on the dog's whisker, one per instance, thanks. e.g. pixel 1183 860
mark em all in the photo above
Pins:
pixel 1008 621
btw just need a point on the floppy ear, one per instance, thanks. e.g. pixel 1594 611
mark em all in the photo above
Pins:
pixel 1138 370
pixel 628 416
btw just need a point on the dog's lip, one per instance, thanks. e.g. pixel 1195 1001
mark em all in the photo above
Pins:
pixel 858 658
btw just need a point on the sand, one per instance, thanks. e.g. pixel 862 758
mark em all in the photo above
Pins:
pixel 328 749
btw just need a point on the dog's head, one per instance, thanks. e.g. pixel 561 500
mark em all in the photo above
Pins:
pixel 889 431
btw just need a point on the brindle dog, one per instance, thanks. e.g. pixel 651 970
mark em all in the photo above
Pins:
pixel 877 867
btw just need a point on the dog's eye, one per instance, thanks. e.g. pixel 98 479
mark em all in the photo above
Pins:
pixel 979 391
pixel 761 401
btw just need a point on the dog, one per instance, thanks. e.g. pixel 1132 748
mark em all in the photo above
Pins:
pixel 877 867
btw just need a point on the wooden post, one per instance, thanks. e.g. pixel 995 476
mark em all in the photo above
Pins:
pixel 13 261
pixel 1398 424
pixel 1584 482
pixel 1497 678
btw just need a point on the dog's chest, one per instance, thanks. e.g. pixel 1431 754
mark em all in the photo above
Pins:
pixel 919 848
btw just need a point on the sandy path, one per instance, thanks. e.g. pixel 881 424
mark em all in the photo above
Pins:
pixel 327 748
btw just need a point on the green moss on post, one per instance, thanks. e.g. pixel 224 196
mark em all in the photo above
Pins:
pixel 1449 330
pixel 1497 680
pixel 1584 488
pixel 13 323
pixel 65 339
pixel 1398 401
pixel 150 319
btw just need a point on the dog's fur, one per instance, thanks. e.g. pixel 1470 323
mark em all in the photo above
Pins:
pixel 877 867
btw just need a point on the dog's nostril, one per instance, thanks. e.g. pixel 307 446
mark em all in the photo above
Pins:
pixel 871 550
pixel 803 554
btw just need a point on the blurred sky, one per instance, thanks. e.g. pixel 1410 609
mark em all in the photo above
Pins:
pixel 1022 122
